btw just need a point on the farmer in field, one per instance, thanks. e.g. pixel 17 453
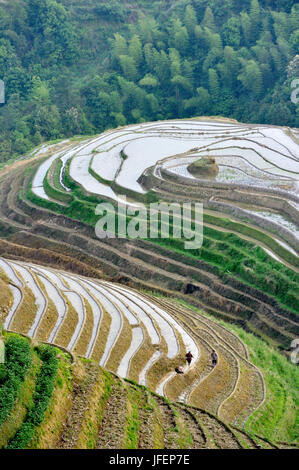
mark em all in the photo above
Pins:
pixel 189 357
pixel 214 357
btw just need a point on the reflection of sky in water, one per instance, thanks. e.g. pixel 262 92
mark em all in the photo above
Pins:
pixel 279 219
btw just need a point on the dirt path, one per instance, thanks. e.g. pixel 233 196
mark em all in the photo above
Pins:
pixel 82 390
pixel 222 436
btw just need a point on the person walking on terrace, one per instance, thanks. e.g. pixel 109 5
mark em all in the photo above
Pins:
pixel 214 357
pixel 189 357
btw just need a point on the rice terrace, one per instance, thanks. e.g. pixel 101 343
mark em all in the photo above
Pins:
pixel 98 311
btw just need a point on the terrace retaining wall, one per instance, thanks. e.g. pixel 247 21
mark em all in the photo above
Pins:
pixel 262 222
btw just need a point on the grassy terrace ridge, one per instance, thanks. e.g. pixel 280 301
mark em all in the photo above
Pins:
pixel 222 222
pixel 121 124
pixel 18 356
pixel 230 277
pixel 228 252
pixel 147 420
pixel 43 392
pixel 47 202
pixel 53 190
pixel 216 221
pixel 211 395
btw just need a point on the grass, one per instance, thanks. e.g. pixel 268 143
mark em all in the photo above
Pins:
pixel 158 431
pixel 132 425
pixel 68 326
pixel 47 322
pixel 253 233
pixel 206 395
pixel 43 392
pixel 235 409
pixel 278 418
pixel 26 312
pixel 101 339
pixel 90 426
pixel 18 359
pixel 44 401
pixel 85 335
pixel 121 345
pixel 47 434
pixel 49 318
pixel 6 297
pixel 248 268
pixel 52 191
pixel 184 437
pixel 104 397
pixel 144 354
pixel 24 401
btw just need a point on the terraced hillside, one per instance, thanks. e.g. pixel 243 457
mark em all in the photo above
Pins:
pixel 128 309
pixel 136 336
pixel 84 406
pixel 247 269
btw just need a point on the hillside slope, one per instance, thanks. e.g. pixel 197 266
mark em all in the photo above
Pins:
pixel 246 271
pixel 236 391
pixel 136 336
pixel 58 403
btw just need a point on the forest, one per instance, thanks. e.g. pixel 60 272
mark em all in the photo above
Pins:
pixel 78 67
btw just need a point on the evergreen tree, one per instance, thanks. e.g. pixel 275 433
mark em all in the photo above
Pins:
pixel 120 46
pixel 135 50
pixel 149 81
pixel 231 32
pixel 246 27
pixel 128 67
pixel 190 19
pixel 214 86
pixel 209 20
pixel 179 38
pixel 62 77
pixel 255 19
pixel 251 78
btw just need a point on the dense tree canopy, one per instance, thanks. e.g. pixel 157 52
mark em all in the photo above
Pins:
pixel 73 67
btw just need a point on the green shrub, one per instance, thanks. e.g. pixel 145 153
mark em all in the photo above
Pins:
pixel 18 359
pixel 55 193
pixel 43 392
